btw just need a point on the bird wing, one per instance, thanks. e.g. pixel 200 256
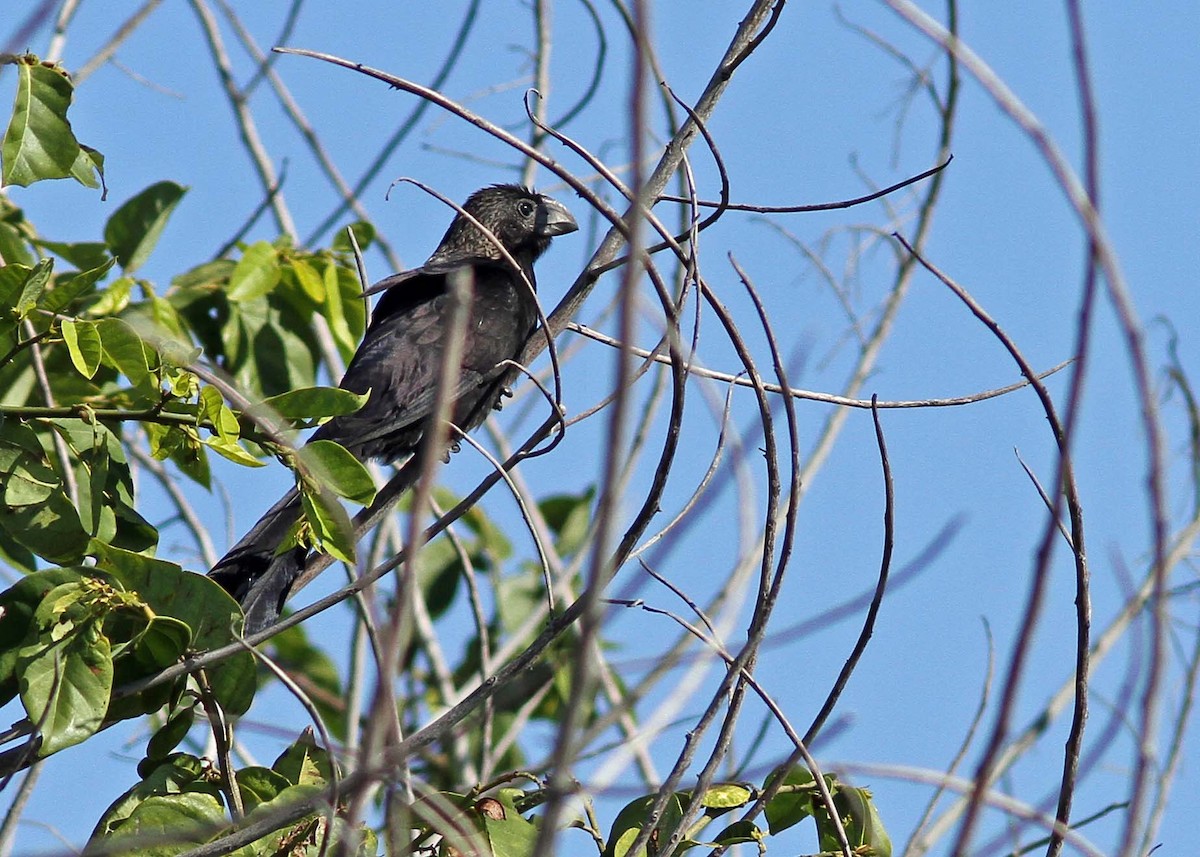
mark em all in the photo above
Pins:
pixel 434 267
pixel 401 356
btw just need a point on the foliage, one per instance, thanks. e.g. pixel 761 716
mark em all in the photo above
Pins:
pixel 109 380
pixel 85 643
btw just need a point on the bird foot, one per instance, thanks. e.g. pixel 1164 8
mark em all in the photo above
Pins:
pixel 505 393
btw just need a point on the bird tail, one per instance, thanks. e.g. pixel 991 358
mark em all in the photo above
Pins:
pixel 255 573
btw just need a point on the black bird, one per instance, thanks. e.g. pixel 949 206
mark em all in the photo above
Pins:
pixel 400 359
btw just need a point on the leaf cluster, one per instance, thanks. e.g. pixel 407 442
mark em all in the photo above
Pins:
pixel 786 798
pixel 179 803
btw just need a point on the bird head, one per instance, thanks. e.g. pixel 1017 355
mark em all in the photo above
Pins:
pixel 521 219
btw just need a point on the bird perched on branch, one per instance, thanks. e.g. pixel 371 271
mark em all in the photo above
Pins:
pixel 400 360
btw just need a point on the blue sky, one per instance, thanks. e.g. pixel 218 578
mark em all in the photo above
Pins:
pixel 815 105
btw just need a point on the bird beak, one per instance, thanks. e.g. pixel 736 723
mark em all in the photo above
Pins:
pixel 554 219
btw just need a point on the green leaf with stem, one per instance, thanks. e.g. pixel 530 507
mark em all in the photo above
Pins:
pixel 336 469
pixel 39 143
pixel 65 685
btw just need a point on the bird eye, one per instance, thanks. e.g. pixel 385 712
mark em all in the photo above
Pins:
pixel 525 207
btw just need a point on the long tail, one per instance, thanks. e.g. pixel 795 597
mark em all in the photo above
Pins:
pixel 252 572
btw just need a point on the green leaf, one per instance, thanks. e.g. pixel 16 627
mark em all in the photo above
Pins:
pixel 268 348
pixel 455 819
pixel 309 280
pixel 14 248
pixel 134 533
pixel 159 323
pixel 259 785
pixel 162 643
pixel 105 499
pixel 126 350
pixel 88 169
pixel 304 762
pixel 364 234
pixel 304 835
pixel 188 454
pixel 63 608
pixel 172 733
pixel 15 554
pixel 69 287
pixel 338 470
pixel 790 807
pixel 39 143
pixel 214 409
pixel 233 682
pixel 113 299
pixel 255 274
pixel 510 835
pixel 95 513
pixel 50 529
pixel 183 820
pixel 28 482
pixel 12 278
pixel 65 686
pixel 203 278
pixel 84 346
pixel 633 817
pixel 31 290
pixel 860 819
pixel 233 451
pixel 316 402
pixel 740 832
pixel 726 796
pixel 49 524
pixel 84 255
pixel 340 309
pixel 184 384
pixel 332 530
pixel 18 604
pixel 170 591
pixel 28 476
pixel 134 228
pixel 172 775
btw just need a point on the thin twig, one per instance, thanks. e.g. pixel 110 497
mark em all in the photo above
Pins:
pixel 920 842
pixel 449 64
pixel 335 777
pixel 244 119
pixel 812 396
pixel 885 564
pixel 197 528
pixel 66 470
pixel 222 735
pixel 816 206
pixel 118 38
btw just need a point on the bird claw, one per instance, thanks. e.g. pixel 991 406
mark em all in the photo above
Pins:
pixel 505 393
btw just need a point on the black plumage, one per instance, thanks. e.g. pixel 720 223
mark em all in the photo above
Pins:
pixel 400 359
